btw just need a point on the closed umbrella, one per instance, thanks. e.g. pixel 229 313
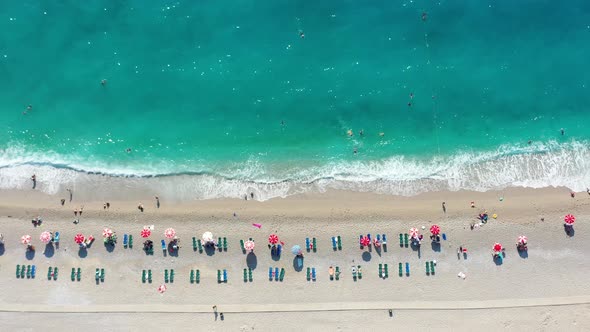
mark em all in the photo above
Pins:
pixel 414 232
pixel 25 239
pixel 146 232
pixel 107 232
pixel 169 233
pixel 249 245
pixel 273 239
pixel 79 238
pixel 434 229
pixel 569 219
pixel 45 237
pixel 296 249
pixel 522 239
pixel 497 247
pixel 208 237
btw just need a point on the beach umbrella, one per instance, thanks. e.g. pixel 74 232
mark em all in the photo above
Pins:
pixel 257 225
pixel 497 247
pixel 45 237
pixel 25 239
pixel 169 233
pixel 107 232
pixel 296 249
pixel 522 239
pixel 146 232
pixel 162 288
pixel 365 241
pixel 208 237
pixel 249 245
pixel 434 229
pixel 79 238
pixel 273 239
pixel 414 232
pixel 569 219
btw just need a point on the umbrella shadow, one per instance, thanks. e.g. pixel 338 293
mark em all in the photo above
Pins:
pixel 209 249
pixel 30 254
pixel 297 267
pixel 498 261
pixel 274 254
pixel 82 252
pixel 171 251
pixel 378 251
pixel 2 249
pixel 366 256
pixel 110 247
pixel 384 246
pixel 435 246
pixel 569 230
pixel 251 260
pixel 523 253
pixel 49 250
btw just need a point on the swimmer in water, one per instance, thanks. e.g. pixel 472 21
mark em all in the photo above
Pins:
pixel 128 150
pixel 349 132
pixel 301 34
pixel 424 16
pixel 103 82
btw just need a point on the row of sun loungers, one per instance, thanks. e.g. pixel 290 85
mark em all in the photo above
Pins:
pixel 99 275
pixel 383 271
pixel 311 245
pixel 430 268
pixel 221 276
pixel 127 241
pixel 248 275
pixel 76 275
pixel 52 273
pixel 29 271
pixel 275 274
pixel 336 243
pixel 311 274
pixel 169 277
pixel 195 276
pixel 146 275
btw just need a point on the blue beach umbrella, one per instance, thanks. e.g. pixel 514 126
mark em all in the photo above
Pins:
pixel 296 250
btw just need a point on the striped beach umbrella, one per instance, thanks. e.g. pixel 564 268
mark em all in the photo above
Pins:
pixel 569 219
pixel 162 289
pixel 169 233
pixel 146 232
pixel 273 239
pixel 25 239
pixel 522 239
pixel 45 237
pixel 249 245
pixel 434 229
pixel 296 250
pixel 365 241
pixel 79 238
pixel 207 237
pixel 497 247
pixel 414 232
pixel 107 232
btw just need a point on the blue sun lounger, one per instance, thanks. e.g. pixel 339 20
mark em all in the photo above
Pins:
pixel 334 242
pixel 369 236
pixel 163 245
pixel 378 237
pixel 313 273
pixel 407 268
pixel 383 238
pixel 307 243
pixel 125 240
pixel 33 271
pixel 270 273
pixel 279 249
pixel 224 275
pixel 56 237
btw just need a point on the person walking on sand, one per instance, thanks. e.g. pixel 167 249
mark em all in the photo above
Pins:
pixel 34 179
pixel 140 207
pixel 81 207
pixel 63 201
pixel 157 202
pixel 71 194
pixel 75 212
pixel 444 207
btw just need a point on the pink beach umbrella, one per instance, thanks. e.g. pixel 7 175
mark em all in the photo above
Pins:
pixel 434 229
pixel 146 232
pixel 107 232
pixel 497 247
pixel 414 232
pixel 170 233
pixel 522 239
pixel 249 245
pixel 569 219
pixel 365 241
pixel 257 225
pixel 45 237
pixel 162 289
pixel 79 238
pixel 273 239
pixel 25 239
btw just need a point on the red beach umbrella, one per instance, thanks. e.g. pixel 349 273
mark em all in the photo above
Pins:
pixel 162 289
pixel 365 241
pixel 522 239
pixel 414 232
pixel 107 232
pixel 79 238
pixel 273 239
pixel 45 237
pixel 497 247
pixel 25 239
pixel 569 219
pixel 146 232
pixel 169 233
pixel 249 245
pixel 434 229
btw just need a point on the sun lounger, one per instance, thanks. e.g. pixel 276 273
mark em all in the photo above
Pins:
pixel 270 273
pixel 219 244
pixel 279 249
pixel 125 240
pixel 192 276
pixel 97 274
pixel 245 275
pixel 331 273
pixel 163 245
pixel 380 270
pixel 359 272
pixel 401 273
pixel 427 268
pixel 334 243
pixel 49 273
pixel 337 273
pixel 172 275
pixel 339 243
pixel 33 271
pixel 385 270
pixel 432 267
pixel 401 240
pixel 54 273
pixel 218 276
pixel 143 276
pixel 314 243
pixel 444 236
pixel 307 244
pixel 102 275
pixel 308 274
pixel 200 246
pixel 354 273
pixel 361 241
pixel 369 236
pixel 79 274
pixel 406 236
pixel 282 275
pixel 313 273
pixel 224 244
pixel 149 276
pixel 224 275
pixel 407 269
pixel 194 243
pixel 198 276
pixel 242 246
pixel 250 274
pixel 383 239
pixel 73 276
pixel 276 274
pixel 22 272
pixel 166 278
pixel 378 238
pixel 28 271
pixel 130 241
pixel 17 271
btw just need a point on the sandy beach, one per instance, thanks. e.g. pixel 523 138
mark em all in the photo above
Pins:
pixel 542 291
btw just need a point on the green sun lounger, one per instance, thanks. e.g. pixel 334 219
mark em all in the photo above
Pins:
pixel 166 279
pixel 308 274
pixel 130 241
pixel 54 273
pixel 150 276
pixel 282 275
pixel 22 272
pixel 194 243
pixel 198 276
pixel 200 245
pixel 406 240
pixel 431 267
pixel 97 275
pixel 250 274
pixel 73 276
pixel 79 274
pixel 315 248
pixel 171 275
pixel 220 244
pixel 49 273
pixel 224 244
pixel 401 240
pixel 102 275
pixel 401 272
pixel 218 276
pixel 427 268
pixel 339 243
pixel 192 278
pixel 380 270
pixel 245 275
pixel 386 270
pixel 242 246
pixel 143 276
pixel 28 271
pixel 359 272
pixel 17 271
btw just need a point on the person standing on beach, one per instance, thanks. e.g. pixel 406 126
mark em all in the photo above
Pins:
pixel 157 202
pixel 71 194
pixel 34 179
pixel 444 207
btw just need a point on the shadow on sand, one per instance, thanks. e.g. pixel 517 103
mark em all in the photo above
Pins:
pixel 49 250
pixel 251 260
pixel 298 263
pixel 366 256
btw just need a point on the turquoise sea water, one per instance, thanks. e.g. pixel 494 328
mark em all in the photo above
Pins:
pixel 230 91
